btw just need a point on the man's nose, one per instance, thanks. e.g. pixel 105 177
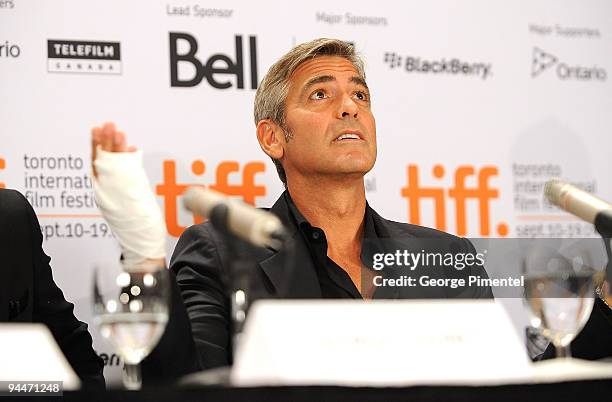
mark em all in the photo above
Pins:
pixel 348 107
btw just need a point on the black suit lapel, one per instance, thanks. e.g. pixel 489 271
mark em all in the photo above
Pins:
pixel 292 272
pixel 389 240
pixel 291 269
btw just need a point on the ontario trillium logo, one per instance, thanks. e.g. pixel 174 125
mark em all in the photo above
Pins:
pixel 541 61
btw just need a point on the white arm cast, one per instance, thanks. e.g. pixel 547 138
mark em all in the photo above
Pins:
pixel 128 205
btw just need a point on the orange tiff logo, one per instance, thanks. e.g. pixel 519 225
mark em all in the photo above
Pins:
pixel 2 166
pixel 460 193
pixel 170 190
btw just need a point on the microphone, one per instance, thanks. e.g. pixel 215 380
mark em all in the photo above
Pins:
pixel 254 225
pixel 576 201
pixel 587 207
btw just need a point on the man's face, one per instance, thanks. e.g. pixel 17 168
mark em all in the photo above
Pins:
pixel 329 117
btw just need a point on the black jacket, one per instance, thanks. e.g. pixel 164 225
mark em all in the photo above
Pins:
pixel 29 294
pixel 198 332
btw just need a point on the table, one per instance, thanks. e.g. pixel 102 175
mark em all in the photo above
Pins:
pixel 598 390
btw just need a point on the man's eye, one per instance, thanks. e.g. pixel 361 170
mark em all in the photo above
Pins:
pixel 361 96
pixel 320 94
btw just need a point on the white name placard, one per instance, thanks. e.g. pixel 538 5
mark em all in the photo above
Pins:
pixel 379 343
pixel 29 353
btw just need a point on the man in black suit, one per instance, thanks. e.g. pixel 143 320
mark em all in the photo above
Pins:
pixel 314 119
pixel 29 294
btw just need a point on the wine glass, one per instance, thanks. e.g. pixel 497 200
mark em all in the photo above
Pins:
pixel 130 309
pixel 559 292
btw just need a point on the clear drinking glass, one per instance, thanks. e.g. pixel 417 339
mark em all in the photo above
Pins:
pixel 559 293
pixel 130 309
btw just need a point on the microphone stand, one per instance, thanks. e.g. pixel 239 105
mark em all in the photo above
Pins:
pixel 236 279
pixel 241 266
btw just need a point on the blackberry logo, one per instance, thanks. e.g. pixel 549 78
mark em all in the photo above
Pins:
pixel 393 59
pixel 83 57
pixel 446 66
pixel 543 61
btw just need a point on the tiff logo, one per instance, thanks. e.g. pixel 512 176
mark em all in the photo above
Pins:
pixel 170 190
pixel 460 193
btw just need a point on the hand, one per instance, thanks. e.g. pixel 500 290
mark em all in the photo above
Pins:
pixel 110 140
pixel 137 200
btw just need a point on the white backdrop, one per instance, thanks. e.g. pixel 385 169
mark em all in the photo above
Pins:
pixel 512 92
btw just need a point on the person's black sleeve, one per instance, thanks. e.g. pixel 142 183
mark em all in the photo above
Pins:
pixel 198 335
pixel 52 309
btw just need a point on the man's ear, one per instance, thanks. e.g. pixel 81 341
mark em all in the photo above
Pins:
pixel 271 138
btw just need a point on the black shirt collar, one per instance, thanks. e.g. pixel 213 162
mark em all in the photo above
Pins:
pixel 369 231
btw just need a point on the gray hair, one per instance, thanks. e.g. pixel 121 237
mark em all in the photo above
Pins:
pixel 272 92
